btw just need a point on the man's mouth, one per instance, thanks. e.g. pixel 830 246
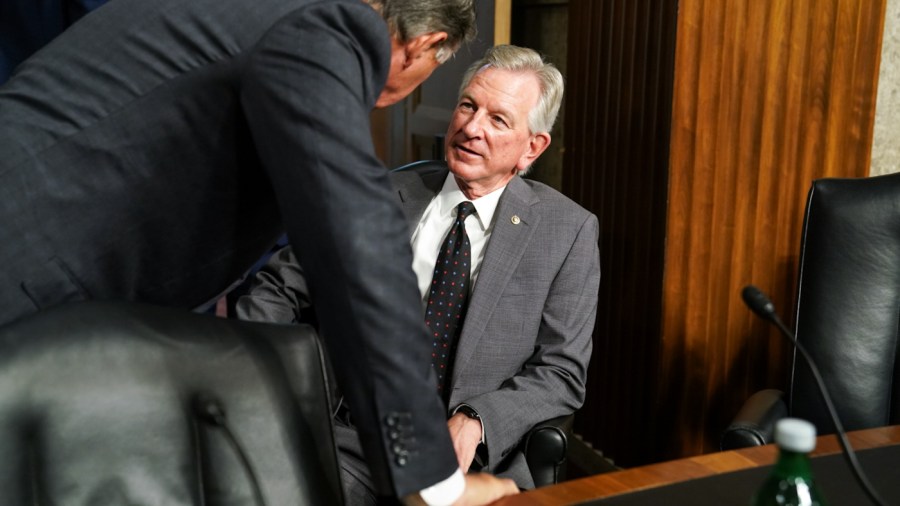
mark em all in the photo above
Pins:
pixel 467 150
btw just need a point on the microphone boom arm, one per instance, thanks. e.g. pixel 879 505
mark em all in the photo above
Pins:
pixel 762 306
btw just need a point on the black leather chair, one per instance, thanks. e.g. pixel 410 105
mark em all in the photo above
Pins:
pixel 116 403
pixel 546 450
pixel 847 314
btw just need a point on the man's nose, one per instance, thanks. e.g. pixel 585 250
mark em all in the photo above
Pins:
pixel 473 126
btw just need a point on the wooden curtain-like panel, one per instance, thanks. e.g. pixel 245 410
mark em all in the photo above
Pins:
pixel 769 95
pixel 619 89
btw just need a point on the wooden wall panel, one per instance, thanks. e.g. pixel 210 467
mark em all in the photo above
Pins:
pixel 695 147
pixel 768 96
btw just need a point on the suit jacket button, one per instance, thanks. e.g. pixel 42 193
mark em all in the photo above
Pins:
pixel 402 460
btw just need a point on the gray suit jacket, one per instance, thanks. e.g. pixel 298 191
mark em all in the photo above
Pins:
pixel 153 151
pixel 526 342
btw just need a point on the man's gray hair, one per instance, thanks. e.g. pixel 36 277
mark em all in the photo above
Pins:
pixel 522 59
pixel 408 19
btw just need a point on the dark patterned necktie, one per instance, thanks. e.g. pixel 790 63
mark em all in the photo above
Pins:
pixel 446 308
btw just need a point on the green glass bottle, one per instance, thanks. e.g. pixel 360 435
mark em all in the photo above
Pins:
pixel 791 482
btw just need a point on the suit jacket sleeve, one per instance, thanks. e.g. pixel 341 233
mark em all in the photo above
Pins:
pixel 278 292
pixel 551 382
pixel 307 91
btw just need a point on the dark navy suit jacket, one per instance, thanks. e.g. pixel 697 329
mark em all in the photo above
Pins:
pixel 157 148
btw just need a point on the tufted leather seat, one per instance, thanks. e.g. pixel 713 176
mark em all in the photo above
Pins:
pixel 116 403
pixel 847 314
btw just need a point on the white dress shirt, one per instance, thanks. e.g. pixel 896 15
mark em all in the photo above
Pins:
pixel 435 223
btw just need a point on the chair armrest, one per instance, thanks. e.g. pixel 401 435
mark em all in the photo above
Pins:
pixel 754 425
pixel 545 447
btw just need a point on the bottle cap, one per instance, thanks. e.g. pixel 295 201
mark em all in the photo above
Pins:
pixel 796 435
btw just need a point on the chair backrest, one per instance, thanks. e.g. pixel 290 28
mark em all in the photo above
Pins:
pixel 848 307
pixel 117 403
pixel 431 165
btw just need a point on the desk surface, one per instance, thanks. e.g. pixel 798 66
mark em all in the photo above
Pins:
pixel 654 475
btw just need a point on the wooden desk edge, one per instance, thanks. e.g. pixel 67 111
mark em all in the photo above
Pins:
pixel 664 473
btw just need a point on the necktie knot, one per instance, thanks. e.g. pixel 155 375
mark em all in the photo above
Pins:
pixel 465 210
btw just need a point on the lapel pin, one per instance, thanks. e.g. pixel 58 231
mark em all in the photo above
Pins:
pixel 515 219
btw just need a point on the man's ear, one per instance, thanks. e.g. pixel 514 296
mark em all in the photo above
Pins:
pixel 421 45
pixel 536 146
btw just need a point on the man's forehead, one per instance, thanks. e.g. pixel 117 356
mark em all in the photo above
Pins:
pixel 507 87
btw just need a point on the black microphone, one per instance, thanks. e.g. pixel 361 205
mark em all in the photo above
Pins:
pixel 759 302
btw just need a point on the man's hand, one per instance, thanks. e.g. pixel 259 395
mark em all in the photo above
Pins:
pixel 466 435
pixel 483 488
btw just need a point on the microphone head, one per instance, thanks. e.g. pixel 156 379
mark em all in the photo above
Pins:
pixel 759 302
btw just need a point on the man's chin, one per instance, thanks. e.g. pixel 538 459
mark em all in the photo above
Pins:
pixel 387 99
pixel 391 95
pixel 461 169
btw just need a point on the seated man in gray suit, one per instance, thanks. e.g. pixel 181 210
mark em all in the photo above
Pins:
pixel 521 353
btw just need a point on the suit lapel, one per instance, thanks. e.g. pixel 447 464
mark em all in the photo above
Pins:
pixel 514 224
pixel 416 189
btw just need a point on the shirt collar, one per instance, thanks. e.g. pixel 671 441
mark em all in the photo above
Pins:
pixel 450 196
